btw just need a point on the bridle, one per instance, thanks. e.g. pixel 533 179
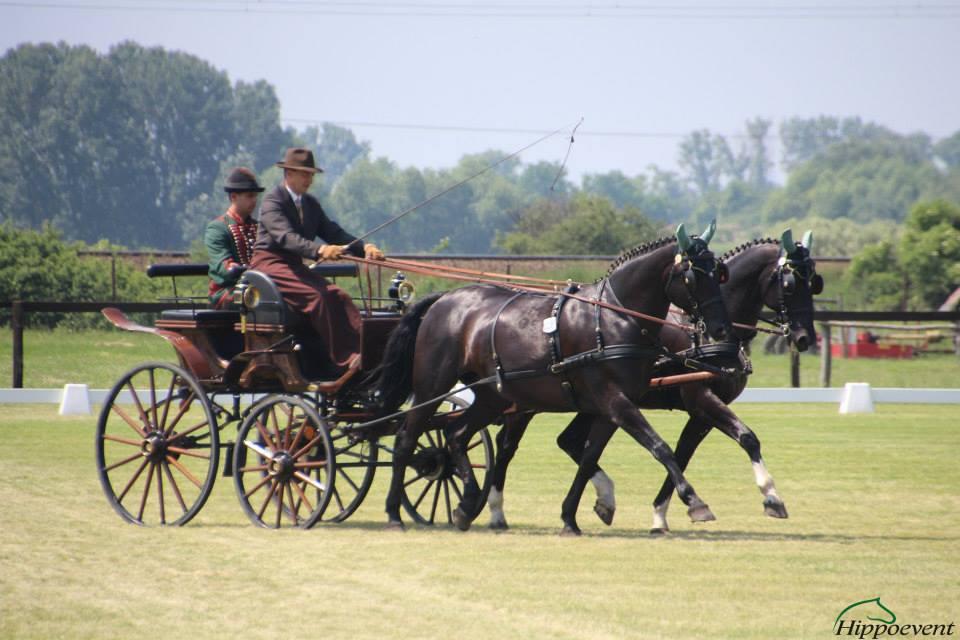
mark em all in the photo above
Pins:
pixel 791 266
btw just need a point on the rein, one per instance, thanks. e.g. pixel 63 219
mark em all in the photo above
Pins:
pixel 429 270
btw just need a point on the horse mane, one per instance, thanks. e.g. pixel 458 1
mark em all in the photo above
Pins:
pixel 637 251
pixel 743 247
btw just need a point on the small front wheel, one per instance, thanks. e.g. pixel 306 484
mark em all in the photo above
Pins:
pixel 283 463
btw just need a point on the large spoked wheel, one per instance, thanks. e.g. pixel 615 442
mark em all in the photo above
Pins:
pixel 157 446
pixel 431 487
pixel 283 463
pixel 356 458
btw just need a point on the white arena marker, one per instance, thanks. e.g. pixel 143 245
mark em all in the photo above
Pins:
pixel 857 398
pixel 75 400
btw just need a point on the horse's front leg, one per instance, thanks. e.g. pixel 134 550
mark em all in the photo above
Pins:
pixel 573 440
pixel 727 421
pixel 693 434
pixel 508 440
pixel 600 432
pixel 481 413
pixel 624 413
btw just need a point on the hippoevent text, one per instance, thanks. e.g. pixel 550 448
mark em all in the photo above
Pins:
pixel 857 629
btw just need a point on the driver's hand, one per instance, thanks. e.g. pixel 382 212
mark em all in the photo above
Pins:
pixel 330 252
pixel 371 252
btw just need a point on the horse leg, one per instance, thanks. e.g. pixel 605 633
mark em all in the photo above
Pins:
pixel 624 413
pixel 573 440
pixel 690 438
pixel 508 440
pixel 728 422
pixel 598 436
pixel 482 412
pixel 405 442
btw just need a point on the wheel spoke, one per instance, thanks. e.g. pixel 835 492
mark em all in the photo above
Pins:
pixel 126 418
pixel 315 483
pixel 173 485
pixel 184 408
pixel 294 506
pixel 456 489
pixel 182 469
pixel 423 493
pixel 153 397
pixel 262 430
pixel 266 503
pixel 257 486
pixel 259 467
pixel 181 434
pixel 163 513
pixel 143 498
pixel 319 464
pixel 189 452
pixel 124 461
pixel 303 496
pixel 410 482
pixel 430 439
pixel 279 497
pixel 112 438
pixel 133 480
pixel 166 404
pixel 343 474
pixel 433 508
pixel 475 444
pixel 136 401
pixel 446 498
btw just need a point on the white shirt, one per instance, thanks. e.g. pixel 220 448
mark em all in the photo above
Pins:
pixel 296 198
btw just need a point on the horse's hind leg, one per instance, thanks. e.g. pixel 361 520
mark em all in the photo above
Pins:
pixel 573 440
pixel 508 440
pixel 599 435
pixel 624 413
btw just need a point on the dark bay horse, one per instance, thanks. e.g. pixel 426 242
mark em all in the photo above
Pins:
pixel 548 353
pixel 780 276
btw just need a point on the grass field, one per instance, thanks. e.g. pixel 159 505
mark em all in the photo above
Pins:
pixel 874 503
pixel 99 358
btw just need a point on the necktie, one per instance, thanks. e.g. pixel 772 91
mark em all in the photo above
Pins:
pixel 300 210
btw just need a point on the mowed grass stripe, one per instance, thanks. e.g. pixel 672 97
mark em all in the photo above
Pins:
pixel 873 502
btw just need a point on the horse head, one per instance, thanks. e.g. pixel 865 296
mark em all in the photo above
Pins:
pixel 793 283
pixel 694 281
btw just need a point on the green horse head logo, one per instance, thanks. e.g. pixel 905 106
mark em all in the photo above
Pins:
pixel 889 618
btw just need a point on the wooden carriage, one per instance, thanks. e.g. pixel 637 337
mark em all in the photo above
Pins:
pixel 308 442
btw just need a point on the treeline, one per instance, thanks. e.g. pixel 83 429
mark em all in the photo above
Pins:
pixel 131 146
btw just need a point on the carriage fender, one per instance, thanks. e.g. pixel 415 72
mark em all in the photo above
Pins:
pixel 190 356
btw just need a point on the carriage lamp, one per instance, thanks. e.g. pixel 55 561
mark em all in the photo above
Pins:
pixel 251 297
pixel 401 289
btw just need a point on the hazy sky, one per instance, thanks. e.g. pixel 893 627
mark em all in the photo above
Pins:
pixel 641 75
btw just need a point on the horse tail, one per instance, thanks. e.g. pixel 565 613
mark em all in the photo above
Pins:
pixel 394 377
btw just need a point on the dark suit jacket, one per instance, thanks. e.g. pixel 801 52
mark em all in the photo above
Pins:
pixel 281 231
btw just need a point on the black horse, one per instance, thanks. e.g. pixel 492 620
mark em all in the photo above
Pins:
pixel 549 353
pixel 762 273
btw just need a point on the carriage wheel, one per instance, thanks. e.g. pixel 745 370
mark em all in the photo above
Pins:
pixel 431 488
pixel 356 458
pixel 157 446
pixel 283 463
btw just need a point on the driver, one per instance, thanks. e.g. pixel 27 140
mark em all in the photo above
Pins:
pixel 291 221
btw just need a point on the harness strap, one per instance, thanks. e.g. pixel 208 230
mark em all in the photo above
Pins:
pixel 556 353
pixel 493 339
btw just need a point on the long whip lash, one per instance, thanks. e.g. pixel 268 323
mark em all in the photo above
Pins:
pixel 465 180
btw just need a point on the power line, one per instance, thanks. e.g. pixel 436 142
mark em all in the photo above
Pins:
pixel 541 11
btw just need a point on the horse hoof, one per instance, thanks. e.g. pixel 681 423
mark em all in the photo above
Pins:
pixel 396 525
pixel 774 508
pixel 658 531
pixel 701 513
pixel 604 512
pixel 569 531
pixel 499 525
pixel 460 519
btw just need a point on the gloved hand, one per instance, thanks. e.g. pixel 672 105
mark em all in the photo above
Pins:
pixel 330 252
pixel 371 252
